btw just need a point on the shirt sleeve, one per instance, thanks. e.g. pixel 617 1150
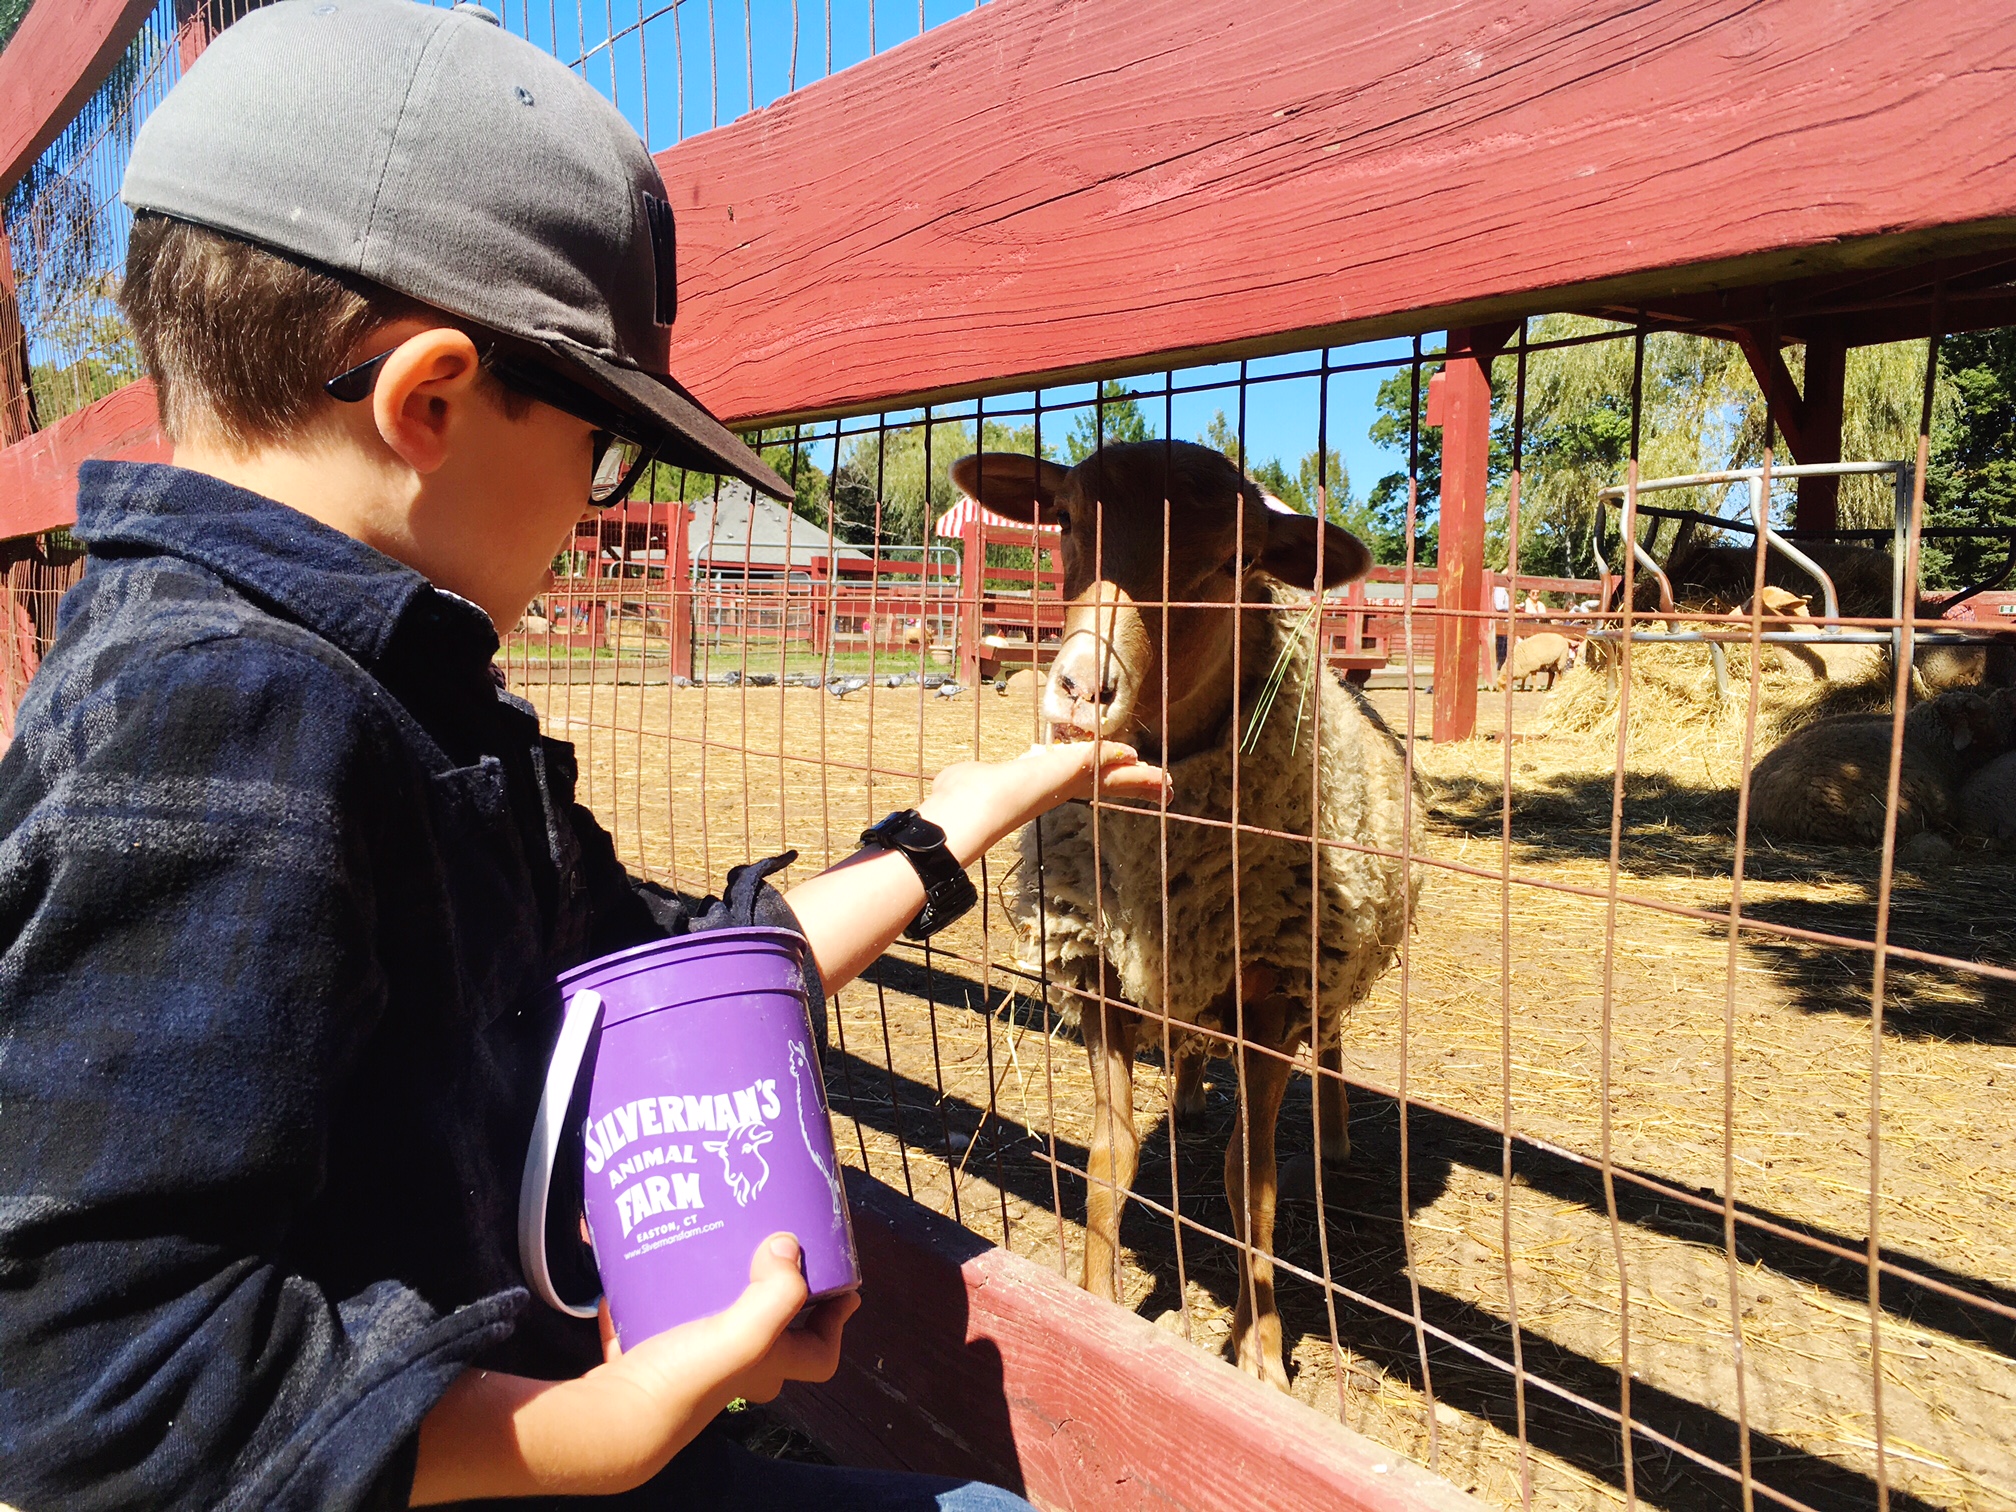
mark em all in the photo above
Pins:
pixel 187 977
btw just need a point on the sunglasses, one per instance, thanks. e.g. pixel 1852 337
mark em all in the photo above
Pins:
pixel 619 460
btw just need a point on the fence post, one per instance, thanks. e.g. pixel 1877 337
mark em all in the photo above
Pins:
pixel 1464 412
pixel 17 398
pixel 679 568
pixel 972 586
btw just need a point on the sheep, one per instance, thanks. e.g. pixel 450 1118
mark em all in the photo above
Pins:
pixel 1943 667
pixel 1936 668
pixel 1092 888
pixel 1533 654
pixel 1988 799
pixel 534 624
pixel 1827 782
pixel 1719 577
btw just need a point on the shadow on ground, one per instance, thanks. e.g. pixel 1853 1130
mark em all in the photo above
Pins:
pixel 1673 830
pixel 1366 1254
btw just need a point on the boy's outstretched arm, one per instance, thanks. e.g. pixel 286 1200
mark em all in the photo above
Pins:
pixel 852 912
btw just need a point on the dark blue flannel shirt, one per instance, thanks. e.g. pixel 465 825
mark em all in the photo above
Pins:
pixel 285 877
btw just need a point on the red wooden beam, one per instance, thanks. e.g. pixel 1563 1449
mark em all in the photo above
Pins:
pixel 966 1360
pixel 1463 408
pixel 61 52
pixel 1774 379
pixel 38 476
pixel 1061 188
pixel 1824 392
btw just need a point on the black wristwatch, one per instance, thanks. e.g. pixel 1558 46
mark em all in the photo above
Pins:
pixel 948 891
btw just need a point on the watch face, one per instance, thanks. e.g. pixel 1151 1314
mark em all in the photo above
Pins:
pixel 918 833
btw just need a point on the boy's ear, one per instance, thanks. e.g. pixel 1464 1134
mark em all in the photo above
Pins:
pixel 422 382
pixel 1022 488
pixel 1292 548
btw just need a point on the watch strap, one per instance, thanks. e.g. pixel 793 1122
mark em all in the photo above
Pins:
pixel 948 892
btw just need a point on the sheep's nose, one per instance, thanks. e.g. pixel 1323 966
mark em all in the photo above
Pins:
pixel 1076 694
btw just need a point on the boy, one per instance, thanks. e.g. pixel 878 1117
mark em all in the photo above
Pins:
pixel 284 876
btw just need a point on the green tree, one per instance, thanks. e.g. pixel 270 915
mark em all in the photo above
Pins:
pixel 1971 478
pixel 99 356
pixel 11 12
pixel 1117 418
pixel 1401 426
pixel 1221 437
pixel 880 491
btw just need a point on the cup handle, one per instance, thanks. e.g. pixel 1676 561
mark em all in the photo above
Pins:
pixel 576 1028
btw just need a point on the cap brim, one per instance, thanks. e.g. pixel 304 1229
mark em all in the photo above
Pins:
pixel 678 425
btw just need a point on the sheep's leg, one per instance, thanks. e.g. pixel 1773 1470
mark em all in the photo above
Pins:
pixel 1110 1029
pixel 1333 1104
pixel 1191 1059
pixel 1256 1323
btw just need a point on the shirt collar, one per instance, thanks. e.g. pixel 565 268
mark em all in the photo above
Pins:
pixel 344 590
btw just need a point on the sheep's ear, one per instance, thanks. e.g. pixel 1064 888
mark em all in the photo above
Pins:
pixel 1022 488
pixel 1292 545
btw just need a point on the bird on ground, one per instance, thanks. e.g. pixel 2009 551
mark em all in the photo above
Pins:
pixel 949 690
pixel 840 687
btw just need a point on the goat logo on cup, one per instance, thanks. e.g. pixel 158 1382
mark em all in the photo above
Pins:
pixel 742 1160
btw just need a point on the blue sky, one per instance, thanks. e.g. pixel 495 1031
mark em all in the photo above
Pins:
pixel 661 79
pixel 667 45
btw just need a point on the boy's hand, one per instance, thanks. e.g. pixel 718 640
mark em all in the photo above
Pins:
pixel 751 1340
pixel 977 803
pixel 618 1425
pixel 851 912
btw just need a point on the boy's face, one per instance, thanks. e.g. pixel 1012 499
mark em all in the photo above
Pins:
pixel 477 497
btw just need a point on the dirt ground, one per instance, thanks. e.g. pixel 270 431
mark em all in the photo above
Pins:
pixel 1744 1070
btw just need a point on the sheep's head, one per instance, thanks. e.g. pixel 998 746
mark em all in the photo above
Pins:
pixel 1977 726
pixel 1777 603
pixel 1158 540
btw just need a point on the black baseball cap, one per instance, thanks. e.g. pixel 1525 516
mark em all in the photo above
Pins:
pixel 433 153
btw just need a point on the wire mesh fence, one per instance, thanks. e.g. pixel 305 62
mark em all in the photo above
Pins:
pixel 1637 1136
pixel 1671 1169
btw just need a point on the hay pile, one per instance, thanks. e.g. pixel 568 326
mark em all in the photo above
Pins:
pixel 1682 763
pixel 1679 714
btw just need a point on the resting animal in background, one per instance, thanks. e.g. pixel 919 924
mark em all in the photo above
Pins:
pixel 1942 667
pixel 1099 920
pixel 1988 799
pixel 1937 668
pixel 1718 578
pixel 1534 654
pixel 1828 781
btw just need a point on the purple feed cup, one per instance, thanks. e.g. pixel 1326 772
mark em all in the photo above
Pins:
pixel 706 1128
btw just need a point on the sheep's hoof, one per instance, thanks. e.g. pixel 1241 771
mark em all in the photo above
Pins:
pixel 1262 1364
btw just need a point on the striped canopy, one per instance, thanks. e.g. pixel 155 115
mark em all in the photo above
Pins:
pixel 954 521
